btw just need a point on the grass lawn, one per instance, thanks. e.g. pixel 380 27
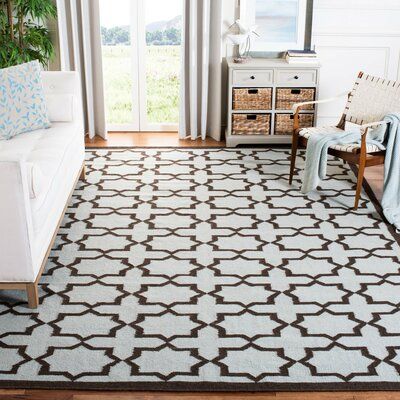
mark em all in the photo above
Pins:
pixel 162 73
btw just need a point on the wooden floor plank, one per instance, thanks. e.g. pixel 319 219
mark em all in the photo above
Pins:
pixel 315 396
pixel 11 394
pixel 377 396
pixel 39 396
pixel 82 395
pixel 177 396
pixel 149 139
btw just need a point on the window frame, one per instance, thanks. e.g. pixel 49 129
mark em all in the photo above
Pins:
pixel 138 48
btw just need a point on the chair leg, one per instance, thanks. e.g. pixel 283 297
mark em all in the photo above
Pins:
pixel 360 180
pixel 33 297
pixel 295 144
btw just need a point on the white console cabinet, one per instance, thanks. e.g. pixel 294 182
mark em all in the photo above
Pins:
pixel 261 95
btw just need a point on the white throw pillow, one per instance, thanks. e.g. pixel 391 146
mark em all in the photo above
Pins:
pixel 22 101
pixel 60 107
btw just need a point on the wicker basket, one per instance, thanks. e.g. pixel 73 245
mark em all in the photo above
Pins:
pixel 286 98
pixel 251 124
pixel 284 123
pixel 252 99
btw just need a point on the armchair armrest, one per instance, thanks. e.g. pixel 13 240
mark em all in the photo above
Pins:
pixel 296 107
pixel 364 128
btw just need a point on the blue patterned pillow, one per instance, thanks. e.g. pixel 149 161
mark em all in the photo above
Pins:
pixel 22 101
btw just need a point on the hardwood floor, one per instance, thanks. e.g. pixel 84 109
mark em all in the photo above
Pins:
pixel 149 139
pixel 157 139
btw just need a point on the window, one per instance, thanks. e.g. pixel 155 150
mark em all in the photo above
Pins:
pixel 281 23
pixel 141 61
pixel 117 61
pixel 163 54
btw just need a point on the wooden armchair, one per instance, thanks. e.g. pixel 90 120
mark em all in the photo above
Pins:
pixel 368 103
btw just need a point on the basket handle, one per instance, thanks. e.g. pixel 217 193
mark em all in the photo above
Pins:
pixel 252 91
pixel 252 117
pixel 296 91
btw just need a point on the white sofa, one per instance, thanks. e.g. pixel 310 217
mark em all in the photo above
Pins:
pixel 38 173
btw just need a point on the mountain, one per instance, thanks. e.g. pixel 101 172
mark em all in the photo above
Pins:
pixel 165 25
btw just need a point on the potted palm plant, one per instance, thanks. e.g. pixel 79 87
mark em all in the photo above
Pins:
pixel 23 33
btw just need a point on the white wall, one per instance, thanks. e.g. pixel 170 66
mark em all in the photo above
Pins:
pixel 352 36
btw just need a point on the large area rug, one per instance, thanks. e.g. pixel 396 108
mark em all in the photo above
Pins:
pixel 203 269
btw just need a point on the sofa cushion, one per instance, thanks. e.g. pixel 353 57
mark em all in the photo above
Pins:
pixel 60 107
pixel 22 101
pixel 43 152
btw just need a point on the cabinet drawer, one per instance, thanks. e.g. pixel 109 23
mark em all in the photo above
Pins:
pixel 251 78
pixel 252 99
pixel 284 123
pixel 251 124
pixel 297 77
pixel 287 97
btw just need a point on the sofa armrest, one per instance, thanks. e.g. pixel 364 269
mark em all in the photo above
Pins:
pixel 16 232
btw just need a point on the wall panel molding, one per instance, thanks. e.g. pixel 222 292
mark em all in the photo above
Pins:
pixel 398 66
pixel 385 62
pixel 357 4
pixel 361 35
pixel 352 59
pixel 352 36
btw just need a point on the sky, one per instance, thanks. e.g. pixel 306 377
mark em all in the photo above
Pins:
pixel 117 12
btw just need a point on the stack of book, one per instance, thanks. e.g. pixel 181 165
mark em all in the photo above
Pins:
pixel 301 57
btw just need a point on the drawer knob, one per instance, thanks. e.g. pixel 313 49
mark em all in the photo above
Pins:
pixel 296 77
pixel 253 77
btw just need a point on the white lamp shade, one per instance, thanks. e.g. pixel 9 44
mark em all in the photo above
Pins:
pixel 238 39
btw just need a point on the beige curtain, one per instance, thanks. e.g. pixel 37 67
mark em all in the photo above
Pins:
pixel 80 47
pixel 200 113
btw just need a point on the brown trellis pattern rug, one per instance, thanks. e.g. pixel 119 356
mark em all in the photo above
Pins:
pixel 204 270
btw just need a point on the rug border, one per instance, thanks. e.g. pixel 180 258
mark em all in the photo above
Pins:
pixel 180 386
pixel 219 386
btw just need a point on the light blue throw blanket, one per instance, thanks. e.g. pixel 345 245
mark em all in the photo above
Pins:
pixel 317 156
pixel 391 188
